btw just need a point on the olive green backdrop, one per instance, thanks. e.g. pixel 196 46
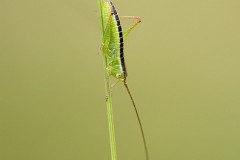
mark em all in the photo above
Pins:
pixel 184 72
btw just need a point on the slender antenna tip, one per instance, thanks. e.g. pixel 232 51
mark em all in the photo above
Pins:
pixel 139 121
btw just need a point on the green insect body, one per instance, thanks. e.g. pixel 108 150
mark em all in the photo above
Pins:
pixel 113 48
pixel 113 41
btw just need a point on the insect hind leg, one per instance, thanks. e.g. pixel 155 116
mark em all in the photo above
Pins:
pixel 137 21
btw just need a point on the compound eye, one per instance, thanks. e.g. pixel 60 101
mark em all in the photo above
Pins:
pixel 118 75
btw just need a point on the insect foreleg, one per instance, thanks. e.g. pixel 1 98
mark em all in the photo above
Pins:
pixel 106 35
pixel 114 83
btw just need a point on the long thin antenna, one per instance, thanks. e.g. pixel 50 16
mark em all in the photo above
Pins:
pixel 139 121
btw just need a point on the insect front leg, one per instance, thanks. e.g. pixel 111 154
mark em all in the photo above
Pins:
pixel 114 83
pixel 100 49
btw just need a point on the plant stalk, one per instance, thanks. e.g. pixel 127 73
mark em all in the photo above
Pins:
pixel 110 111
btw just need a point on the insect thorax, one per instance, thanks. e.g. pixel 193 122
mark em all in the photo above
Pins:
pixel 115 68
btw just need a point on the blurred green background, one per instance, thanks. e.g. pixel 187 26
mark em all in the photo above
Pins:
pixel 184 73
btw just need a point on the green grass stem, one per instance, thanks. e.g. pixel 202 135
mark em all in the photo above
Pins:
pixel 110 111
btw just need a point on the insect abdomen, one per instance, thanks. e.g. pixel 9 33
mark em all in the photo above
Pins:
pixel 117 35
